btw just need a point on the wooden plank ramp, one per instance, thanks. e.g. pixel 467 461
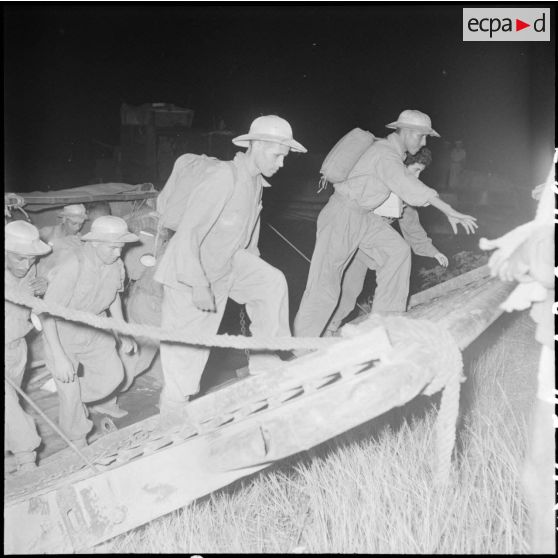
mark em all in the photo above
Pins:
pixel 144 472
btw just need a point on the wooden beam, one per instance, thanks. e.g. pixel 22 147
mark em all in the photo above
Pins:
pixel 238 430
pixel 442 289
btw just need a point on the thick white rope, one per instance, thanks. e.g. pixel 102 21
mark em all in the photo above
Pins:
pixel 23 298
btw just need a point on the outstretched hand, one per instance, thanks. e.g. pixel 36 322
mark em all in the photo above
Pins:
pixel 442 259
pixel 468 222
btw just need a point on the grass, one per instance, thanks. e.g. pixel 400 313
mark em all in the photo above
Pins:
pixel 371 491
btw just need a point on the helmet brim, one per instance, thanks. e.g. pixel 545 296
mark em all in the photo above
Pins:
pixel 245 139
pixel 424 129
pixel 107 237
pixel 33 248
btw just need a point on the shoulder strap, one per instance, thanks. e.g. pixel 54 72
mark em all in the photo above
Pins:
pixel 80 258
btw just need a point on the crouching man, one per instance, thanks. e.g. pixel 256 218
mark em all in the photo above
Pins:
pixel 91 280
pixel 73 217
pixel 63 237
pixel 22 248
pixel 214 255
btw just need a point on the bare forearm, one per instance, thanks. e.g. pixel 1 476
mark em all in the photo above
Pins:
pixel 51 334
pixel 441 205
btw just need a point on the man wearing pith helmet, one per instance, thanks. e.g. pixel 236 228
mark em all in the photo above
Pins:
pixel 72 219
pixel 349 222
pixel 21 250
pixel 214 255
pixel 63 237
pixel 91 280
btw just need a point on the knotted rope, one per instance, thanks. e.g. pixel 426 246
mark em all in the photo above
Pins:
pixel 445 363
pixel 23 298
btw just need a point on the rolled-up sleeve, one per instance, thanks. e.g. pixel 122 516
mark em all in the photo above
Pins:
pixel 410 189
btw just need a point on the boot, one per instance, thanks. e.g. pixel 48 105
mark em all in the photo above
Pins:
pixel 109 407
pixel 172 412
pixel 261 362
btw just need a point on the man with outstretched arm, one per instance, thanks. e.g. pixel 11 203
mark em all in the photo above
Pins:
pixel 413 235
pixel 347 223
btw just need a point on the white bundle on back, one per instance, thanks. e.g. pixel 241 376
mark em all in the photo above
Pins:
pixel 344 155
pixel 189 171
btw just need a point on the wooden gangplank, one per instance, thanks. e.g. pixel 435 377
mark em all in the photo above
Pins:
pixel 233 432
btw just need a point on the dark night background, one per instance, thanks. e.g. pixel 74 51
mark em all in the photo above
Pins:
pixel 325 68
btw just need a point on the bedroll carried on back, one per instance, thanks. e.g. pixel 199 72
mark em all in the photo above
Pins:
pixel 344 155
pixel 188 172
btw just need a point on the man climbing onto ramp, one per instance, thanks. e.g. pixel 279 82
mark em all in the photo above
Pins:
pixel 413 234
pixel 347 223
pixel 214 255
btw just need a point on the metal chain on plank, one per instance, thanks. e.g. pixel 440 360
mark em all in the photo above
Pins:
pixel 243 329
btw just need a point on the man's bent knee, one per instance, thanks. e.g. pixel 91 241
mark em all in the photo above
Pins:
pixel 114 378
pixel 275 279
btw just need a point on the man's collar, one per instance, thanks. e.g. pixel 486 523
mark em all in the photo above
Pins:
pixel 393 138
pixel 92 253
pixel 240 161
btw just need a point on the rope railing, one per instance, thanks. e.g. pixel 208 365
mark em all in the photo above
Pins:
pixel 446 362
pixel 39 306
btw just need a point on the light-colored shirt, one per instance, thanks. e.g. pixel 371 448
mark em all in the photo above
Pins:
pixel 61 246
pixel 223 216
pixel 380 171
pixel 83 282
pixel 16 318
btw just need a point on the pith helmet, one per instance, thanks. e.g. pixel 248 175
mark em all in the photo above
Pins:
pixel 22 238
pixel 415 120
pixel 109 228
pixel 76 211
pixel 270 128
